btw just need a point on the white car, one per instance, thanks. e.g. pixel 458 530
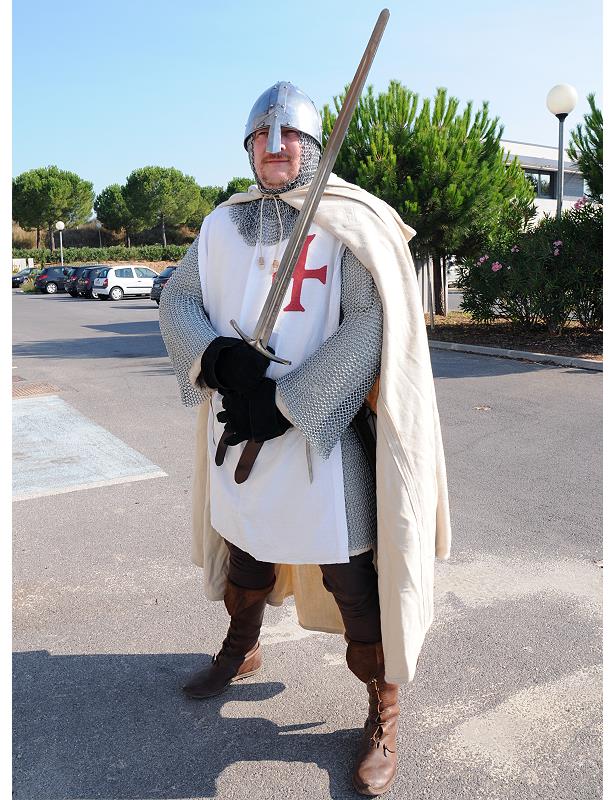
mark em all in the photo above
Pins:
pixel 115 282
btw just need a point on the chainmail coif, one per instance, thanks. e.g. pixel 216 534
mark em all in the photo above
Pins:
pixel 246 216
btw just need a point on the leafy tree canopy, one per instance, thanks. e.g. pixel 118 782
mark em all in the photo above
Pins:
pixel 235 185
pixel 112 211
pixel 161 194
pixel 211 195
pixel 209 199
pixel 45 195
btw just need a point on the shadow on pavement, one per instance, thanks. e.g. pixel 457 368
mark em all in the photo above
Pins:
pixel 55 298
pixel 454 364
pixel 128 328
pixel 118 727
pixel 142 341
pixel 120 306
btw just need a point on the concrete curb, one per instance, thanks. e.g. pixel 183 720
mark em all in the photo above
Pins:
pixel 520 355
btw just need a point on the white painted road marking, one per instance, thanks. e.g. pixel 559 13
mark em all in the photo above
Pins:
pixel 56 449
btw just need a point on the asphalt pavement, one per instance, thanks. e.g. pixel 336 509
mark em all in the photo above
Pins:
pixel 110 617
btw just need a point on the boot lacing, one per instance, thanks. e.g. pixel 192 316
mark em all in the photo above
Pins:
pixel 378 733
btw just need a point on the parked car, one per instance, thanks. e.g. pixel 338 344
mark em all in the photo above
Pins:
pixel 115 282
pixel 74 273
pixel 21 276
pixel 51 280
pixel 160 282
pixel 85 282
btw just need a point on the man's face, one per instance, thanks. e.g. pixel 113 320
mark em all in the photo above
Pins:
pixel 277 169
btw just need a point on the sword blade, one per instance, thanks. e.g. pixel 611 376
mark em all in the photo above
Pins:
pixel 273 303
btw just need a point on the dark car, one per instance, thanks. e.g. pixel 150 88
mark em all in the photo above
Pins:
pixel 74 273
pixel 22 275
pixel 85 282
pixel 51 280
pixel 160 282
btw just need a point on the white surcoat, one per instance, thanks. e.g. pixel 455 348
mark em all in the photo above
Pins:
pixel 278 515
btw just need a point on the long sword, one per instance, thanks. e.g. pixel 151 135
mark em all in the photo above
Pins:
pixel 275 298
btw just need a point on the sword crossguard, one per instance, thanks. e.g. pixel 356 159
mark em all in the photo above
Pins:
pixel 257 345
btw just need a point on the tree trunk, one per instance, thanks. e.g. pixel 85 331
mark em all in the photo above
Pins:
pixel 38 237
pixel 127 239
pixel 163 231
pixel 428 266
pixel 438 284
pixel 51 240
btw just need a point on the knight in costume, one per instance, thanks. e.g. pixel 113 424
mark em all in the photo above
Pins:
pixel 310 516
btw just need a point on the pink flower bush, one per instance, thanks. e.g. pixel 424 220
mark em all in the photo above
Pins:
pixel 556 251
pixel 557 243
pixel 515 249
pixel 482 259
pixel 582 201
pixel 496 266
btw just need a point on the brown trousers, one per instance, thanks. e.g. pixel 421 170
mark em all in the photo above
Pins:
pixel 353 585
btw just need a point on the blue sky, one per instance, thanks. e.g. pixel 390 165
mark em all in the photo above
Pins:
pixel 101 89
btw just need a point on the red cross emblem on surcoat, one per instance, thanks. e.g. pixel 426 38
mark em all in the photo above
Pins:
pixel 301 273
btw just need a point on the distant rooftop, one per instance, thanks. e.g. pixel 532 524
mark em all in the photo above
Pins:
pixel 530 144
pixel 539 160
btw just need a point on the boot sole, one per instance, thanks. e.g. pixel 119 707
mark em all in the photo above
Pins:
pixel 223 689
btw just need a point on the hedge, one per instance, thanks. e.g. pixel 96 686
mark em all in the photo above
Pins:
pixel 75 255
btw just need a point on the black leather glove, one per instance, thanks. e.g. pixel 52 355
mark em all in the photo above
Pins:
pixel 235 417
pixel 230 363
pixel 266 420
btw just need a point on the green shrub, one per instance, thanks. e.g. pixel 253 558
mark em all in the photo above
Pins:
pixel 28 285
pixel 545 275
pixel 582 236
pixel 76 255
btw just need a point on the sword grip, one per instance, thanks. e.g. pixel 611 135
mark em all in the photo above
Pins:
pixel 257 345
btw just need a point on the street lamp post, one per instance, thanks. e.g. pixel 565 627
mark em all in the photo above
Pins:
pixel 99 226
pixel 59 226
pixel 561 101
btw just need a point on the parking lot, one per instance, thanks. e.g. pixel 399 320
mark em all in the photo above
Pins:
pixel 109 614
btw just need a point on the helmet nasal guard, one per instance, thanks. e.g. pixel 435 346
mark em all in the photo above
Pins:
pixel 283 106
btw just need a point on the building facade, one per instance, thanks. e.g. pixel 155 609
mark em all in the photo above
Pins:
pixel 540 165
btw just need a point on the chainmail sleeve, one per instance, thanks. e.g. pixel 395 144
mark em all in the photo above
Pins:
pixel 324 393
pixel 184 324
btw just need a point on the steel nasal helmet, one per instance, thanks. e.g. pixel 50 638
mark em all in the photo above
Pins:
pixel 283 106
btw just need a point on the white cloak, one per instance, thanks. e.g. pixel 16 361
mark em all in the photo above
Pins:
pixel 413 521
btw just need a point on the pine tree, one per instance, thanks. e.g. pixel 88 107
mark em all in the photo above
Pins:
pixel 233 186
pixel 444 172
pixel 45 195
pixel 586 149
pixel 112 211
pixel 161 196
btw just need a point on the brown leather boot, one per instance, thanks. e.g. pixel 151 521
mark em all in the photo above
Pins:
pixel 240 655
pixel 376 764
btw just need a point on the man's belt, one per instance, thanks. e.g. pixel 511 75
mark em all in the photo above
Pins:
pixel 364 423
